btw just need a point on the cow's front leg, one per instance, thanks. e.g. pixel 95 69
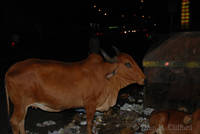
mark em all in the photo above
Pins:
pixel 90 111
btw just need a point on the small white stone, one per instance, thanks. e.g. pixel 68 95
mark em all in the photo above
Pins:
pixel 83 123
pixel 148 111
pixel 39 125
pixel 140 101
pixel 117 125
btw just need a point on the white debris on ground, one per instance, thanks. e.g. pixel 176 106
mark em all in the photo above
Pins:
pixel 131 116
pixel 144 125
pixel 46 123
pixel 143 112
pixel 132 107
pixel 71 128
pixel 148 111
pixel 28 132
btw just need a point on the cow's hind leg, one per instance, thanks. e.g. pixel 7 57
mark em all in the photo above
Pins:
pixel 17 119
pixel 22 124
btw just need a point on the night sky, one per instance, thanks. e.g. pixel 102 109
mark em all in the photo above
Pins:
pixel 61 30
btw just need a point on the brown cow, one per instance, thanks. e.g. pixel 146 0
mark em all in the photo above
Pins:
pixel 54 86
pixel 170 122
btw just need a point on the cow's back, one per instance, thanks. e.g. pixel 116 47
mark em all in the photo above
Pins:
pixel 47 82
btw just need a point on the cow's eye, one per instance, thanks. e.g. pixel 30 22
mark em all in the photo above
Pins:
pixel 128 65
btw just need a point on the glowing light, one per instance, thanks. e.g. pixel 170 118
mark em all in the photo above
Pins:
pixel 12 43
pixel 113 27
pixel 185 17
pixel 191 64
pixel 134 31
pixel 95 6
pixel 125 32
pixel 105 14
pixel 166 63
pixel 185 14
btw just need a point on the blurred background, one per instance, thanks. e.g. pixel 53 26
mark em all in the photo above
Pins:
pixel 60 30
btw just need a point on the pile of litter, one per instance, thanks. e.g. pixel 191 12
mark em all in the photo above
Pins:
pixel 46 123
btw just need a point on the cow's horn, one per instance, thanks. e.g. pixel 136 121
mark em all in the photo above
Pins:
pixel 116 50
pixel 107 57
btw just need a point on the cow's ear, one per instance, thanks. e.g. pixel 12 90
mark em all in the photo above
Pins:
pixel 187 119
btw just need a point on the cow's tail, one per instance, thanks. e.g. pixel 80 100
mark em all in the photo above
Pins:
pixel 8 102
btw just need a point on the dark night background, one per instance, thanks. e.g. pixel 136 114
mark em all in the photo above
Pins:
pixel 46 29
pixel 61 29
